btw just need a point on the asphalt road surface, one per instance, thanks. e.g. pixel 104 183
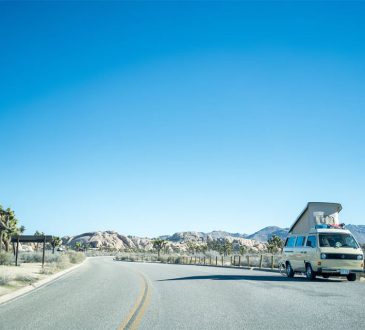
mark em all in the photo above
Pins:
pixel 107 294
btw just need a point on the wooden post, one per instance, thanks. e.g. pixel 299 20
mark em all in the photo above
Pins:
pixel 248 261
pixel 216 261
pixel 13 248
pixel 17 251
pixel 222 261
pixel 239 261
pixel 261 259
pixel 204 261
pixel 44 250
pixel 272 261
pixel 231 260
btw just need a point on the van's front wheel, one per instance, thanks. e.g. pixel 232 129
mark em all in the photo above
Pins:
pixel 309 273
pixel 351 277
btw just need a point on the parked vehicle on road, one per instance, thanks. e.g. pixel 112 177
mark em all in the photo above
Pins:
pixel 317 244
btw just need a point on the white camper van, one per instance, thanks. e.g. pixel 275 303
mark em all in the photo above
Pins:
pixel 317 244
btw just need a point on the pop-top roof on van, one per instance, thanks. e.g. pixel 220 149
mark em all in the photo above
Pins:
pixel 316 213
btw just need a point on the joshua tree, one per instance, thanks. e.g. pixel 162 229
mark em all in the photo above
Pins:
pixel 8 227
pixel 243 249
pixel 203 248
pixel 86 246
pixel 78 246
pixel 38 233
pixel 56 241
pixel 191 247
pixel 21 229
pixel 275 244
pixel 4 226
pixel 226 247
pixel 159 244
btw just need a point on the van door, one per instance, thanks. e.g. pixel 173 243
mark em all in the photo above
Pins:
pixel 289 249
pixel 311 248
pixel 299 254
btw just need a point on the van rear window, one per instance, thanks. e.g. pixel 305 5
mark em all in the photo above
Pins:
pixel 290 242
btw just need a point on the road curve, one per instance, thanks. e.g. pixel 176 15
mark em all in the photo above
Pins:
pixel 107 294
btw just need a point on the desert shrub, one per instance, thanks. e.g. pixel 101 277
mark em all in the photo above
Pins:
pixel 25 278
pixel 34 257
pixel 4 278
pixel 6 259
pixel 53 258
pixel 75 257
pixel 176 260
pixel 121 257
pixel 49 269
pixel 30 257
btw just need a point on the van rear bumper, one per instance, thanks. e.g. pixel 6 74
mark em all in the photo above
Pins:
pixel 333 271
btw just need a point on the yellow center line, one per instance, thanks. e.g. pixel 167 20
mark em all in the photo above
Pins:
pixel 135 315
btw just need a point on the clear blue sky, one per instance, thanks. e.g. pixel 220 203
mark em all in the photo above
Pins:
pixel 151 118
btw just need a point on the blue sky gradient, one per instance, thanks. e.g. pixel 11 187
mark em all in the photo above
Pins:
pixel 155 117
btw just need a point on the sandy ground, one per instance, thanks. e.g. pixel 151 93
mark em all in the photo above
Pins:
pixel 17 277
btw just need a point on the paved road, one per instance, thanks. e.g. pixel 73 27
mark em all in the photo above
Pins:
pixel 105 294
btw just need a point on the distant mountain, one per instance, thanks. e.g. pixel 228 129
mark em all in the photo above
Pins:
pixel 266 233
pixel 178 241
pixel 186 236
pixel 358 231
pixel 109 239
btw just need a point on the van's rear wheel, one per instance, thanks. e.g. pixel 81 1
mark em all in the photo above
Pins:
pixel 351 277
pixel 309 273
pixel 325 276
pixel 289 270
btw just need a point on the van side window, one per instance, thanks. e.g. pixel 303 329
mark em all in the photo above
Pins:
pixel 300 241
pixel 312 241
pixel 290 242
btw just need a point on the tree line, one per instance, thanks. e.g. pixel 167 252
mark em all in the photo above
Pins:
pixel 222 246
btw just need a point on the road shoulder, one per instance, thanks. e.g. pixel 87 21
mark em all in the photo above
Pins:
pixel 24 290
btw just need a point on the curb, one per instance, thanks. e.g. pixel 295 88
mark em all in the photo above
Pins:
pixel 22 291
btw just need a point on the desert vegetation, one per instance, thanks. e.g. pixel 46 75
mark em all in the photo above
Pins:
pixel 29 258
pixel 220 252
pixel 9 226
pixel 30 269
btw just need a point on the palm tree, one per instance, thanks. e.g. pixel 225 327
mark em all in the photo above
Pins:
pixel 159 244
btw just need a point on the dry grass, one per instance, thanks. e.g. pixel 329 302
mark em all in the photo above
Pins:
pixel 30 269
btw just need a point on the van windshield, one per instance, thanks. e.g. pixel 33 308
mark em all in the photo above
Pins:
pixel 337 241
